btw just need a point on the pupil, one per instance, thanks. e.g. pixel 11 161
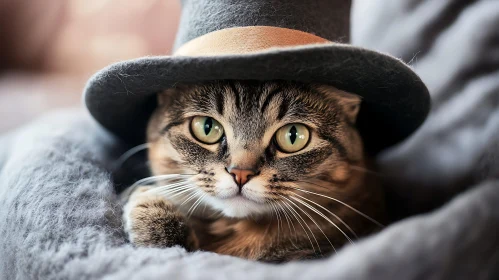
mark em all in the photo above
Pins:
pixel 293 133
pixel 208 124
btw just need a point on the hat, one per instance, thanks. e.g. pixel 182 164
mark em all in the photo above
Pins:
pixel 296 40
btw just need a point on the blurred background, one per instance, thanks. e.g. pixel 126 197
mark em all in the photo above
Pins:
pixel 48 49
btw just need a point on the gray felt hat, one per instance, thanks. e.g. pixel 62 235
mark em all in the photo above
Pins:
pixel 299 40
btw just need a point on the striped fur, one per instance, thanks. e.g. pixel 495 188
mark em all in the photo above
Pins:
pixel 266 221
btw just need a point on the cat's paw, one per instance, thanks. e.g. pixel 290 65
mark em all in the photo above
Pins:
pixel 152 221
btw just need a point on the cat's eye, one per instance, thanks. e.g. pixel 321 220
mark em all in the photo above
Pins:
pixel 292 137
pixel 206 130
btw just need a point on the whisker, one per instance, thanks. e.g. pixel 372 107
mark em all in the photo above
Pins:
pixel 277 218
pixel 293 212
pixel 161 189
pixel 279 221
pixel 188 199
pixel 311 232
pixel 311 219
pixel 194 206
pixel 151 179
pixel 289 222
pixel 331 213
pixel 281 209
pixel 315 210
pixel 125 156
pixel 204 209
pixel 182 192
pixel 199 203
pixel 341 202
pixel 174 190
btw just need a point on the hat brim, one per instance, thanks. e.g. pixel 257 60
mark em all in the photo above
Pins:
pixel 395 101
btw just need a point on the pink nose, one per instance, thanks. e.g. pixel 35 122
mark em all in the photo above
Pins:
pixel 241 176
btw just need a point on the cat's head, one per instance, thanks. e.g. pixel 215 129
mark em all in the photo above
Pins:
pixel 250 144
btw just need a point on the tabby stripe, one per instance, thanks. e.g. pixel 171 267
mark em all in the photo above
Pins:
pixel 283 110
pixel 269 98
pixel 341 149
pixel 170 125
pixel 270 152
pixel 236 95
pixel 220 101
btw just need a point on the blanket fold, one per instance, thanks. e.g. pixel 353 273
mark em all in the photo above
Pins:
pixel 60 217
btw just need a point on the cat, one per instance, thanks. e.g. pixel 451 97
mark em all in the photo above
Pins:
pixel 271 171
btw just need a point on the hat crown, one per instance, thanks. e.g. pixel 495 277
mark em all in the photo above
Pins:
pixel 329 19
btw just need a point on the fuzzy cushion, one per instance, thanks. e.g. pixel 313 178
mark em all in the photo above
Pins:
pixel 60 219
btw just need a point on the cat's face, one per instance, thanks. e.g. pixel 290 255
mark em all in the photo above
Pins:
pixel 250 144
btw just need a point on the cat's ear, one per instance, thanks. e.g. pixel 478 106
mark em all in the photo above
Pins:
pixel 349 102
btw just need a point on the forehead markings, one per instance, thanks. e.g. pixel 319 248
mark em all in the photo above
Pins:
pixel 283 110
pixel 219 101
pixel 273 102
pixel 271 94
pixel 237 94
pixel 269 99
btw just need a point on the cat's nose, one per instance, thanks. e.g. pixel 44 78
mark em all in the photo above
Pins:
pixel 241 176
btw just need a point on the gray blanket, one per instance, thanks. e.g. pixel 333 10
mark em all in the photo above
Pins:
pixel 60 218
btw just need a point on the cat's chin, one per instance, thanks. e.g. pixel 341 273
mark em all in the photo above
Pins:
pixel 239 207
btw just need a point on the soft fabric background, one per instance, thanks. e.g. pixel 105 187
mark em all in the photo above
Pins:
pixel 59 217
pixel 50 48
pixel 454 47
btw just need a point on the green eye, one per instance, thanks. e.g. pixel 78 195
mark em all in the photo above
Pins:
pixel 292 137
pixel 207 130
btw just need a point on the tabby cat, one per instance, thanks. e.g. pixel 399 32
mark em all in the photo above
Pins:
pixel 270 171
